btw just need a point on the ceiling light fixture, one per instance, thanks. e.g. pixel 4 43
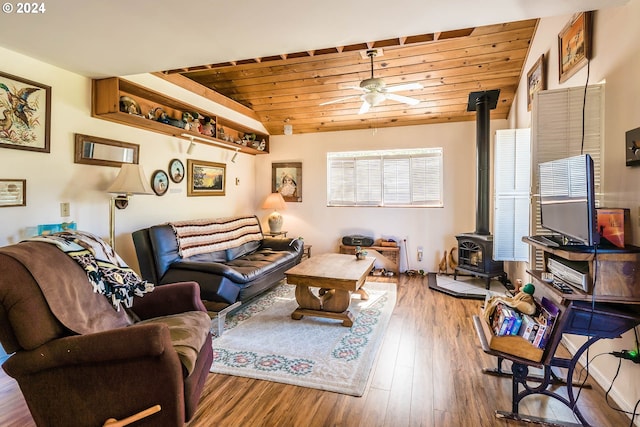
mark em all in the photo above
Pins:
pixel 191 147
pixel 373 98
pixel 288 128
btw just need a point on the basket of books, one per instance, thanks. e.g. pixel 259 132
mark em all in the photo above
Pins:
pixel 512 332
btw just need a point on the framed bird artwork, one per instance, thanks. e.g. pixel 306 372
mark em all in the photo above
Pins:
pixel 25 114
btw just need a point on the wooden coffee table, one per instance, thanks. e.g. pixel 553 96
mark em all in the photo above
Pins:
pixel 336 275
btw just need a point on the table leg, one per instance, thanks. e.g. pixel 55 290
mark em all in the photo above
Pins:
pixel 333 303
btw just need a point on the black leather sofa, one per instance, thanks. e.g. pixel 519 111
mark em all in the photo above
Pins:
pixel 226 276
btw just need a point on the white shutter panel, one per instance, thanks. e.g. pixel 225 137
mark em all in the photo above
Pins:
pixel 557 132
pixel 511 176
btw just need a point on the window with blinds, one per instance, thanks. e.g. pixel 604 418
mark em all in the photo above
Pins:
pixel 385 178
pixel 559 131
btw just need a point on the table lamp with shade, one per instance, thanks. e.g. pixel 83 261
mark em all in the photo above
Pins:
pixel 130 180
pixel 276 202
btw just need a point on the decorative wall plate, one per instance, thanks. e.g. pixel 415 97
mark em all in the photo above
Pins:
pixel 160 182
pixel 176 170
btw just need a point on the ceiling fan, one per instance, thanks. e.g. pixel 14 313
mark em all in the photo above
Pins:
pixel 375 91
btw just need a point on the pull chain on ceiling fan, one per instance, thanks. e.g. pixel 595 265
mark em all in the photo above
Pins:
pixel 375 91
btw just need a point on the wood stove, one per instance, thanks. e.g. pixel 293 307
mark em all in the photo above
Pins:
pixel 475 250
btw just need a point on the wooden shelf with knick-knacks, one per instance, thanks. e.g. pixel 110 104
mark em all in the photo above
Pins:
pixel 128 103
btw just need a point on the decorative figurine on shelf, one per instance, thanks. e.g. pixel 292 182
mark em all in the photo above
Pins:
pixel 250 137
pixel 159 115
pixel 130 106
pixel 360 253
pixel 191 121
pixel 206 127
pixel 263 145
pixel 523 302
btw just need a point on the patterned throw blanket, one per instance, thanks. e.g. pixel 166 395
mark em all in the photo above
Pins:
pixel 108 273
pixel 210 235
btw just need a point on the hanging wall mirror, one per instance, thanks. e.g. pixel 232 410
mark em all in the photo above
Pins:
pixel 92 150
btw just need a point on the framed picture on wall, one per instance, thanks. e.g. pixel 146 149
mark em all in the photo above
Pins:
pixel 286 179
pixel 536 80
pixel 574 45
pixel 206 178
pixel 13 192
pixel 27 114
pixel 632 147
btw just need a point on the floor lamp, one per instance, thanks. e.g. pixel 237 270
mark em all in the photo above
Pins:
pixel 130 180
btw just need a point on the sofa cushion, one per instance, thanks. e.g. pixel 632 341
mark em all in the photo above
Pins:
pixel 188 333
pixel 242 250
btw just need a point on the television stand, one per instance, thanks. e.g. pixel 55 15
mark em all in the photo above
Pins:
pixel 612 308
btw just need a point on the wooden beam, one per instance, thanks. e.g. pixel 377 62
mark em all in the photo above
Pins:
pixel 207 93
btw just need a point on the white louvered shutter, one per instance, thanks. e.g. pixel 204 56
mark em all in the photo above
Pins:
pixel 512 172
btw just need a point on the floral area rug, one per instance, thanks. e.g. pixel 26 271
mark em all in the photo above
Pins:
pixel 262 341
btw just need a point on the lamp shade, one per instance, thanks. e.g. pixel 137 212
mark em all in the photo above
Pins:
pixel 130 180
pixel 274 201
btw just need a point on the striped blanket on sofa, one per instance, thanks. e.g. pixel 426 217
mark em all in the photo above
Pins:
pixel 210 235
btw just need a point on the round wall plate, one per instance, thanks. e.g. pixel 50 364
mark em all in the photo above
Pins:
pixel 160 182
pixel 176 170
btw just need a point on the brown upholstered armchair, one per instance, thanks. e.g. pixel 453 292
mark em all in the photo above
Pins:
pixel 113 368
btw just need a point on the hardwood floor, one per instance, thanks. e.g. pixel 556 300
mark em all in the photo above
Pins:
pixel 428 373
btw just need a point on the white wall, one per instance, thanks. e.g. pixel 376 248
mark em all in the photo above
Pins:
pixel 53 177
pixel 432 228
pixel 616 61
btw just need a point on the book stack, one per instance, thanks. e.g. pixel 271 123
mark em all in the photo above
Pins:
pixel 507 321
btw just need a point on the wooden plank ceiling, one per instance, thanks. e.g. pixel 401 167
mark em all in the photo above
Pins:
pixel 289 88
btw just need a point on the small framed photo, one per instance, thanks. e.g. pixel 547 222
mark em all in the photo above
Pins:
pixel 536 80
pixel 176 170
pixel 27 114
pixel 206 178
pixel 13 192
pixel 159 182
pixel 574 45
pixel 632 147
pixel 286 179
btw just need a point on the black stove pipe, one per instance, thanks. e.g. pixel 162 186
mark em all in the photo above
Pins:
pixel 483 103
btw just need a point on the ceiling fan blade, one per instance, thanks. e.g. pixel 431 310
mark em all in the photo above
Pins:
pixel 353 87
pixel 405 99
pixel 364 108
pixel 406 86
pixel 334 101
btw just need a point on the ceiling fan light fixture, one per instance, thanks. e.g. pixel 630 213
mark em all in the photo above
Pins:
pixel 372 84
pixel 373 98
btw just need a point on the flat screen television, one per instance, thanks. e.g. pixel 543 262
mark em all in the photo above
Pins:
pixel 567 200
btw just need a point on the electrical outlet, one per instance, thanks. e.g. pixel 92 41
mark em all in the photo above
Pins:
pixel 420 253
pixel 65 209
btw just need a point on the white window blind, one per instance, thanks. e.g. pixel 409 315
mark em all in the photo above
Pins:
pixel 411 177
pixel 512 172
pixel 557 132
